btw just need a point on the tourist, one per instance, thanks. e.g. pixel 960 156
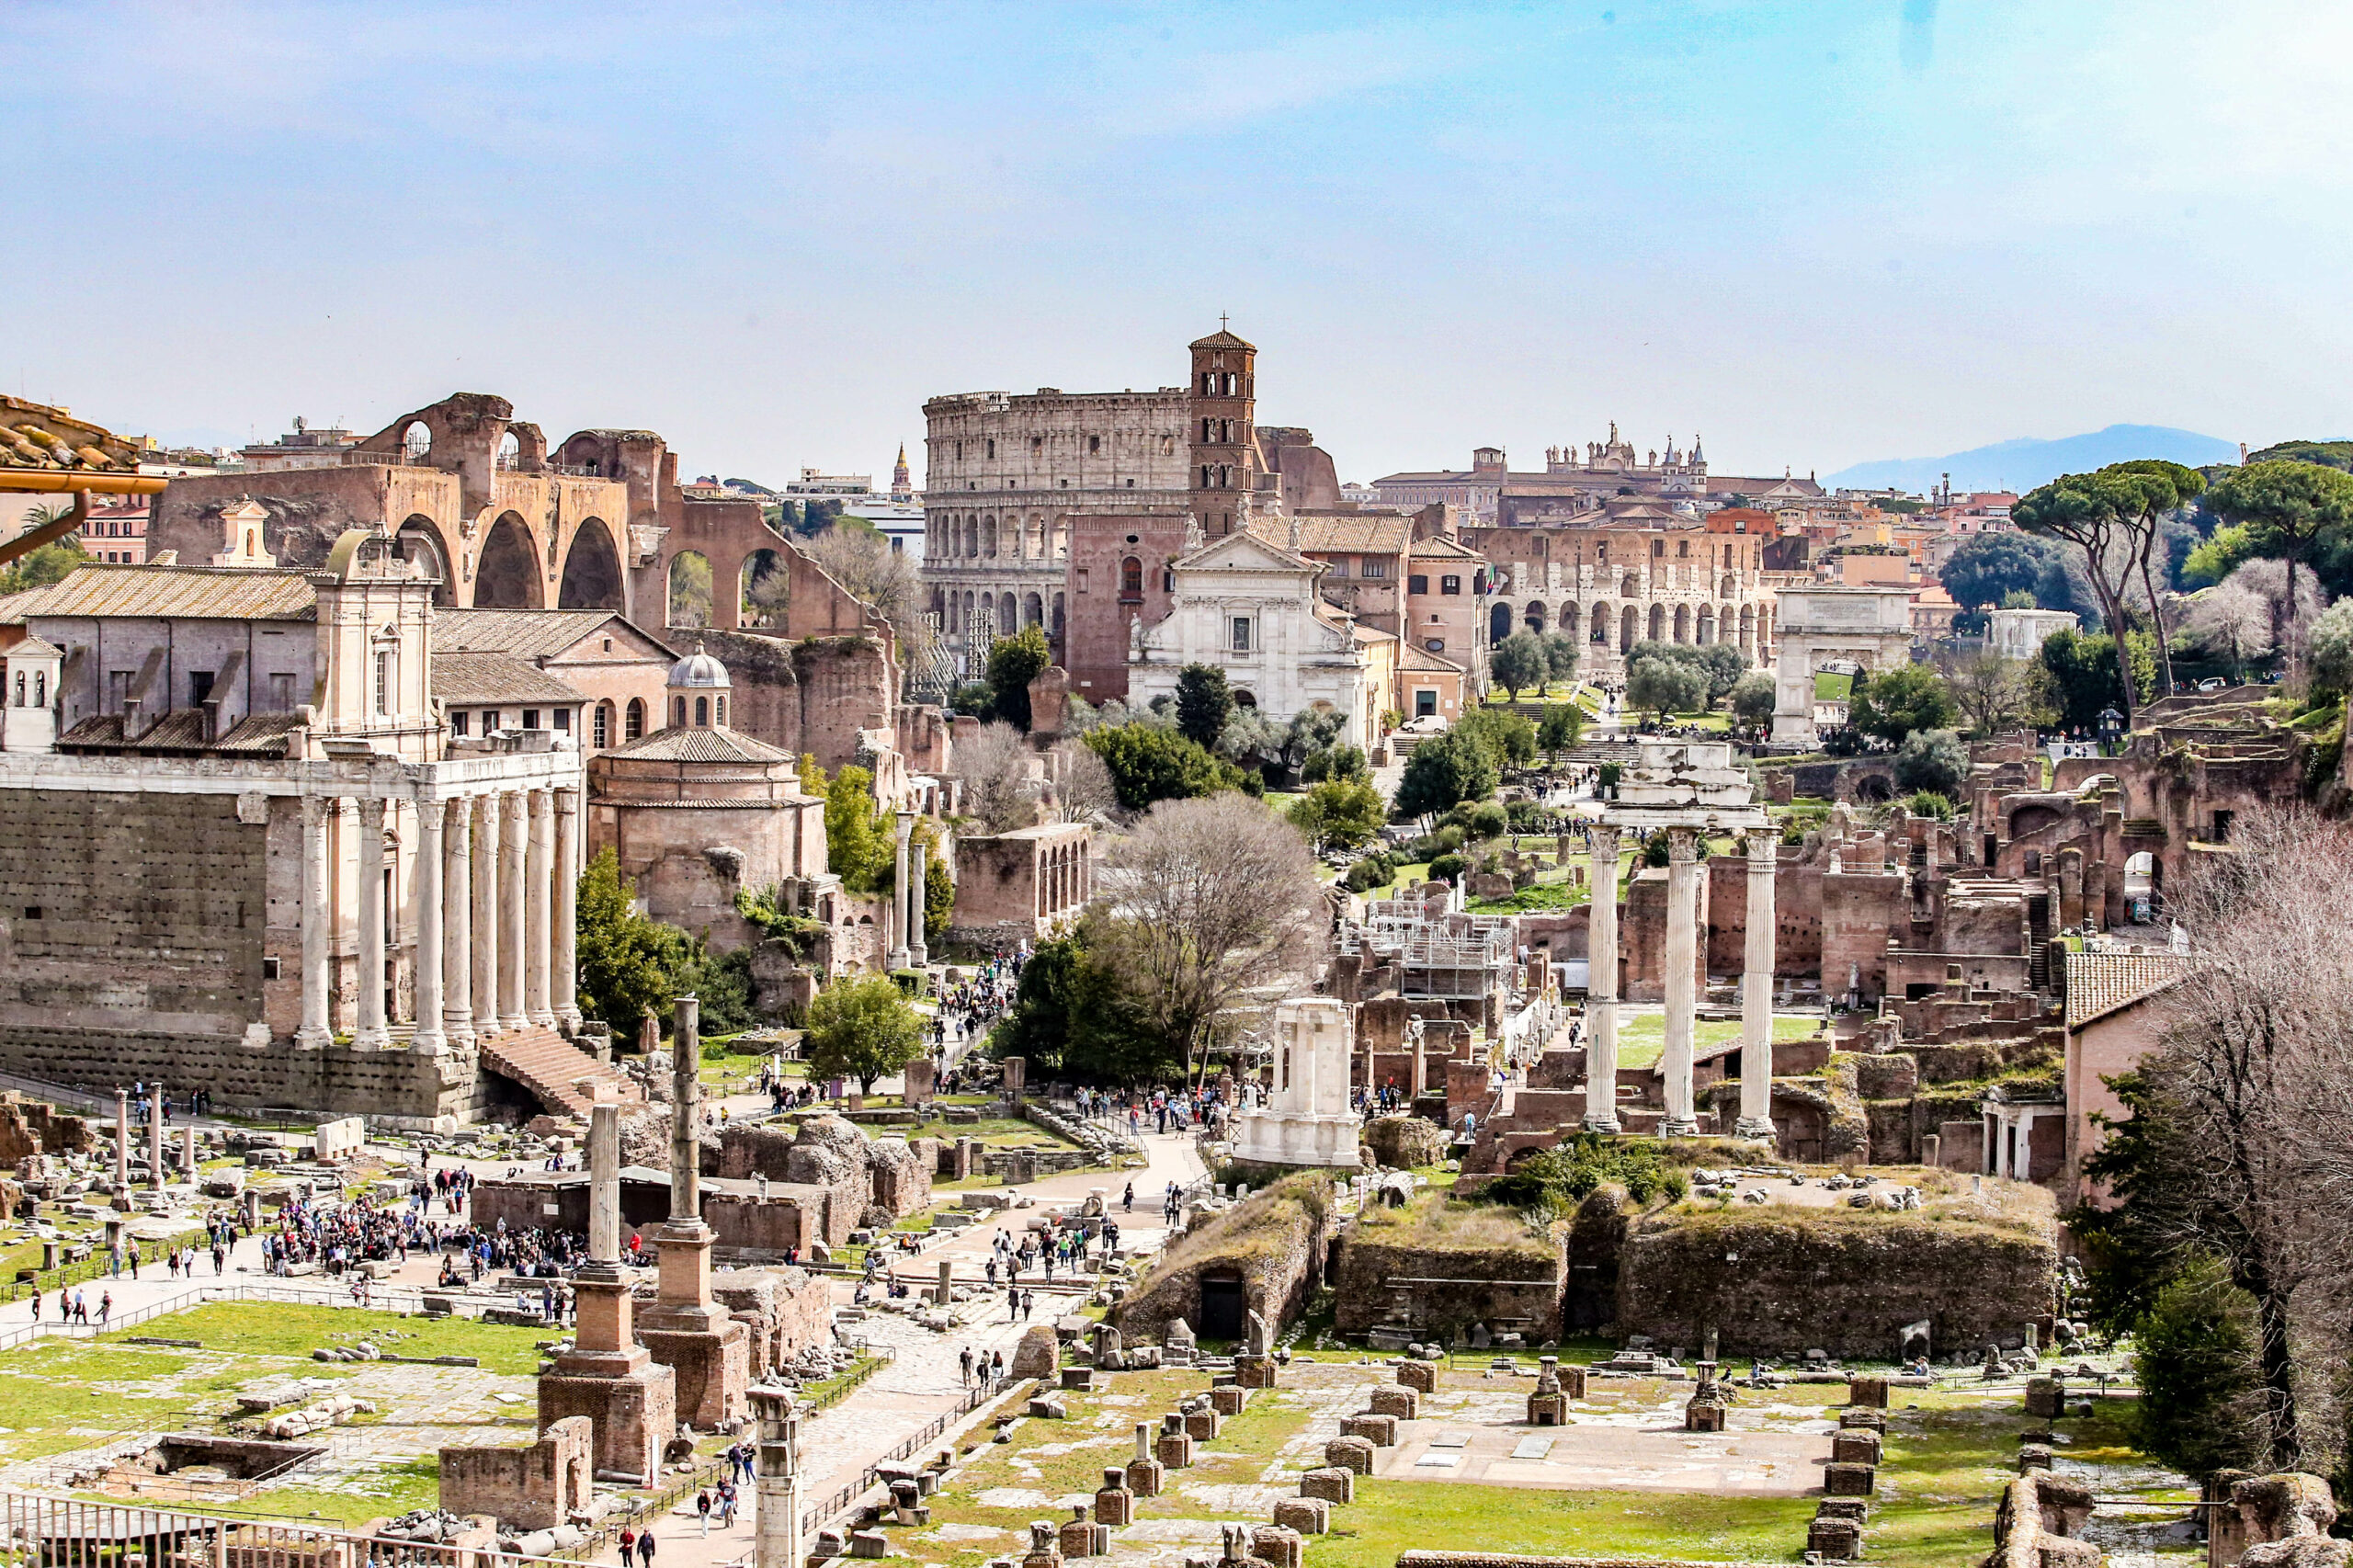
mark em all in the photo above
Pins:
pixel 646 1550
pixel 1029 1300
pixel 36 1304
pixel 965 1361
pixel 702 1508
pixel 629 1542
pixel 1127 1204
pixel 105 1307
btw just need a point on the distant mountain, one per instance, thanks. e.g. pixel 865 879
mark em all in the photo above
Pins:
pixel 2023 464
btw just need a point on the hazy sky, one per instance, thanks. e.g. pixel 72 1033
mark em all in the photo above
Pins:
pixel 1816 232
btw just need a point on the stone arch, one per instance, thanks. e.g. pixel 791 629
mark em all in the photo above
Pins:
pixel 688 603
pixel 507 568
pixel 633 721
pixel 1055 630
pixel 971 537
pixel 592 569
pixel 988 535
pixel 1629 629
pixel 1599 620
pixel 509 455
pixel 422 544
pixel 1704 630
pixel 1748 629
pixel 416 443
pixel 1533 617
pixel 764 587
pixel 1571 626
pixel 1658 623
pixel 1631 586
pixel 1874 789
pixel 1498 624
pixel 1033 611
pixel 1007 613
pixel 1244 698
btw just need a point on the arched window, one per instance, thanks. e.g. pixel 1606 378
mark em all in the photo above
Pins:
pixel 722 708
pixel 40 688
pixel 20 688
pixel 601 727
pixel 1132 575
pixel 702 712
pixel 633 720
pixel 677 713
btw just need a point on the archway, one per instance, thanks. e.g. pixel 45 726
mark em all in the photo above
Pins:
pixel 507 572
pixel 416 443
pixel 1631 588
pixel 1033 611
pixel 1658 623
pixel 1533 618
pixel 1599 620
pixel 971 538
pixel 1498 624
pixel 1748 629
pixel 421 545
pixel 1705 631
pixel 1006 611
pixel 1683 623
pixel 592 569
pixel 764 588
pixel 689 605
pixel 1629 630
pixel 1569 625
pixel 510 450
pixel 1873 788
pixel 1244 698
pixel 1056 631
pixel 988 536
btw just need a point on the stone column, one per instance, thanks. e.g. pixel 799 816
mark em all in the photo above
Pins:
pixel 918 897
pixel 121 1142
pixel 901 941
pixel 776 1478
pixel 318 1024
pixel 155 1136
pixel 686 1113
pixel 1601 985
pixel 1756 989
pixel 428 1041
pixel 373 1034
pixel 188 1146
pixel 604 1182
pixel 512 831
pixel 539 901
pixel 485 915
pixel 1682 954
pixel 458 925
pixel 567 912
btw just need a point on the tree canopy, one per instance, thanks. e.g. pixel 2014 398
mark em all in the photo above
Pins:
pixel 1932 760
pixel 860 1026
pixel 1520 661
pixel 1204 703
pixel 1891 704
pixel 1666 685
pixel 1445 770
pixel 2291 511
pixel 1014 663
pixel 625 961
pixel 1339 813
pixel 1148 763
pixel 1987 568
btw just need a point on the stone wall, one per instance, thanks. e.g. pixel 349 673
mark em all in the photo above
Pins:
pixel 528 1488
pixel 1518 1278
pixel 1841 1279
pixel 1275 1240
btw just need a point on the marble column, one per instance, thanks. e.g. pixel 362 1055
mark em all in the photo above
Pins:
pixel 604 1182
pixel 1682 998
pixel 900 941
pixel 485 915
pixel 538 901
pixel 918 895
pixel 155 1135
pixel 188 1146
pixel 1601 985
pixel 121 1142
pixel 318 953
pixel 512 831
pixel 458 925
pixel 567 911
pixel 776 1479
pixel 1757 989
pixel 428 1039
pixel 370 966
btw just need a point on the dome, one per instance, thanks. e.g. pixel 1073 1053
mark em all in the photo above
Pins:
pixel 698 669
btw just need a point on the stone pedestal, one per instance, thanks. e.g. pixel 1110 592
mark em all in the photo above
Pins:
pixel 1391 1399
pixel 1420 1375
pixel 1333 1483
pixel 696 1338
pixel 1848 1480
pixel 1115 1502
pixel 1200 1423
pixel 1174 1449
pixel 1548 1405
pixel 1278 1546
pixel 1308 1515
pixel 1254 1371
pixel 1855 1447
pixel 1380 1431
pixel 1081 1537
pixel 1144 1472
pixel 1350 1453
pixel 1227 1399
pixel 1866 1394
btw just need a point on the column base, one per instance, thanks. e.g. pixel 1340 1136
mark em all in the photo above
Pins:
pixel 429 1042
pixel 376 1039
pixel 568 1019
pixel 544 1018
pixel 1757 1127
pixel 918 957
pixel 513 1021
pixel 459 1032
pixel 899 958
pixel 313 1037
pixel 1608 1125
pixel 1678 1127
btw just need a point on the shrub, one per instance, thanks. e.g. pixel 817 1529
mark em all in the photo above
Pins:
pixel 1014 663
pixel 1548 1183
pixel 1930 804
pixel 1446 867
pixel 1489 820
pixel 1932 760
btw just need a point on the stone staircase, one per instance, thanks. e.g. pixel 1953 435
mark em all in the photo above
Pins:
pixel 566 1079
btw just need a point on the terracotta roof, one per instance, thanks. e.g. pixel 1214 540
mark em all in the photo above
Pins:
pixel 1436 549
pixel 701 745
pixel 530 633
pixel 32 647
pixel 35 436
pixel 256 734
pixel 1222 339
pixel 186 593
pixel 1420 658
pixel 464 678
pixel 1366 535
pixel 2102 983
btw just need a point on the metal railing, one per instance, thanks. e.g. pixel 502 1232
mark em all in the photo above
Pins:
pixel 845 1497
pixel 62 1532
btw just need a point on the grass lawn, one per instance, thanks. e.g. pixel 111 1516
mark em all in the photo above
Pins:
pixel 253 1328
pixel 1641 1036
pixel 1829 685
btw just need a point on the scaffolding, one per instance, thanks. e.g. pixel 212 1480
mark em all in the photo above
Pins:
pixel 1440 957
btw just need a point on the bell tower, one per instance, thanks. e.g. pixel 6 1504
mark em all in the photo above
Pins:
pixel 1222 439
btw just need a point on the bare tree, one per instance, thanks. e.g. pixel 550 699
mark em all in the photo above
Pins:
pixel 1083 787
pixel 1212 904
pixel 862 561
pixel 1993 691
pixel 1000 775
pixel 2231 620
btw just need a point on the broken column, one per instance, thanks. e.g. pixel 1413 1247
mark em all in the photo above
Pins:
pixel 1601 986
pixel 1144 1470
pixel 707 1352
pixel 155 1137
pixel 1756 989
pixel 901 892
pixel 777 1477
pixel 188 1150
pixel 121 1142
pixel 606 1376
pixel 1682 1000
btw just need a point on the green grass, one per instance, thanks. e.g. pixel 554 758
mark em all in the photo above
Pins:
pixel 359 1496
pixel 1642 1037
pixel 1533 899
pixel 1830 687
pixel 253 1328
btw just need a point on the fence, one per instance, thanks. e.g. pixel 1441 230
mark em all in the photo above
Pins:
pixel 60 1532
pixel 845 1496
pixel 396 1299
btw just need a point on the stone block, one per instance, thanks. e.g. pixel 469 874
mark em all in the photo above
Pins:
pixel 1081 1378
pixel 2033 1455
pixel 1081 1537
pixel 1047 1409
pixel 1175 1452
pixel 1420 1375
pixel 1278 1546
pixel 1862 1420
pixel 1848 1480
pixel 1548 1410
pixel 1853 1508
pixel 1835 1540
pixel 1144 1477
pixel 1868 1393
pixel 869 1543
pixel 1254 1371
pixel 1115 1504
pixel 1403 1404
pixel 1350 1453
pixel 1308 1515
pixel 1201 1423
pixel 2046 1398
pixel 1380 1431
pixel 1335 1483
pixel 1038 1354
pixel 1849 1446
pixel 1227 1399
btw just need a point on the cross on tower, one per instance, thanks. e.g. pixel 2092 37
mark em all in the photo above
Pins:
pixel 1220 320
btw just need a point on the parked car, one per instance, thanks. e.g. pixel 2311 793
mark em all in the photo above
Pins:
pixel 2212 683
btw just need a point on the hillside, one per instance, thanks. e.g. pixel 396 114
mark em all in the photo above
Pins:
pixel 2022 464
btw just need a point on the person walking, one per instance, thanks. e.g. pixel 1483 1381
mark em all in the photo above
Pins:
pixel 702 1507
pixel 965 1361
pixel 629 1543
pixel 646 1550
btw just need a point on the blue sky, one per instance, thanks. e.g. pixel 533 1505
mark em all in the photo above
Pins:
pixel 1817 232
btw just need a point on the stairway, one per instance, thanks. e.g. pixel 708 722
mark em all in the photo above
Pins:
pixel 562 1077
